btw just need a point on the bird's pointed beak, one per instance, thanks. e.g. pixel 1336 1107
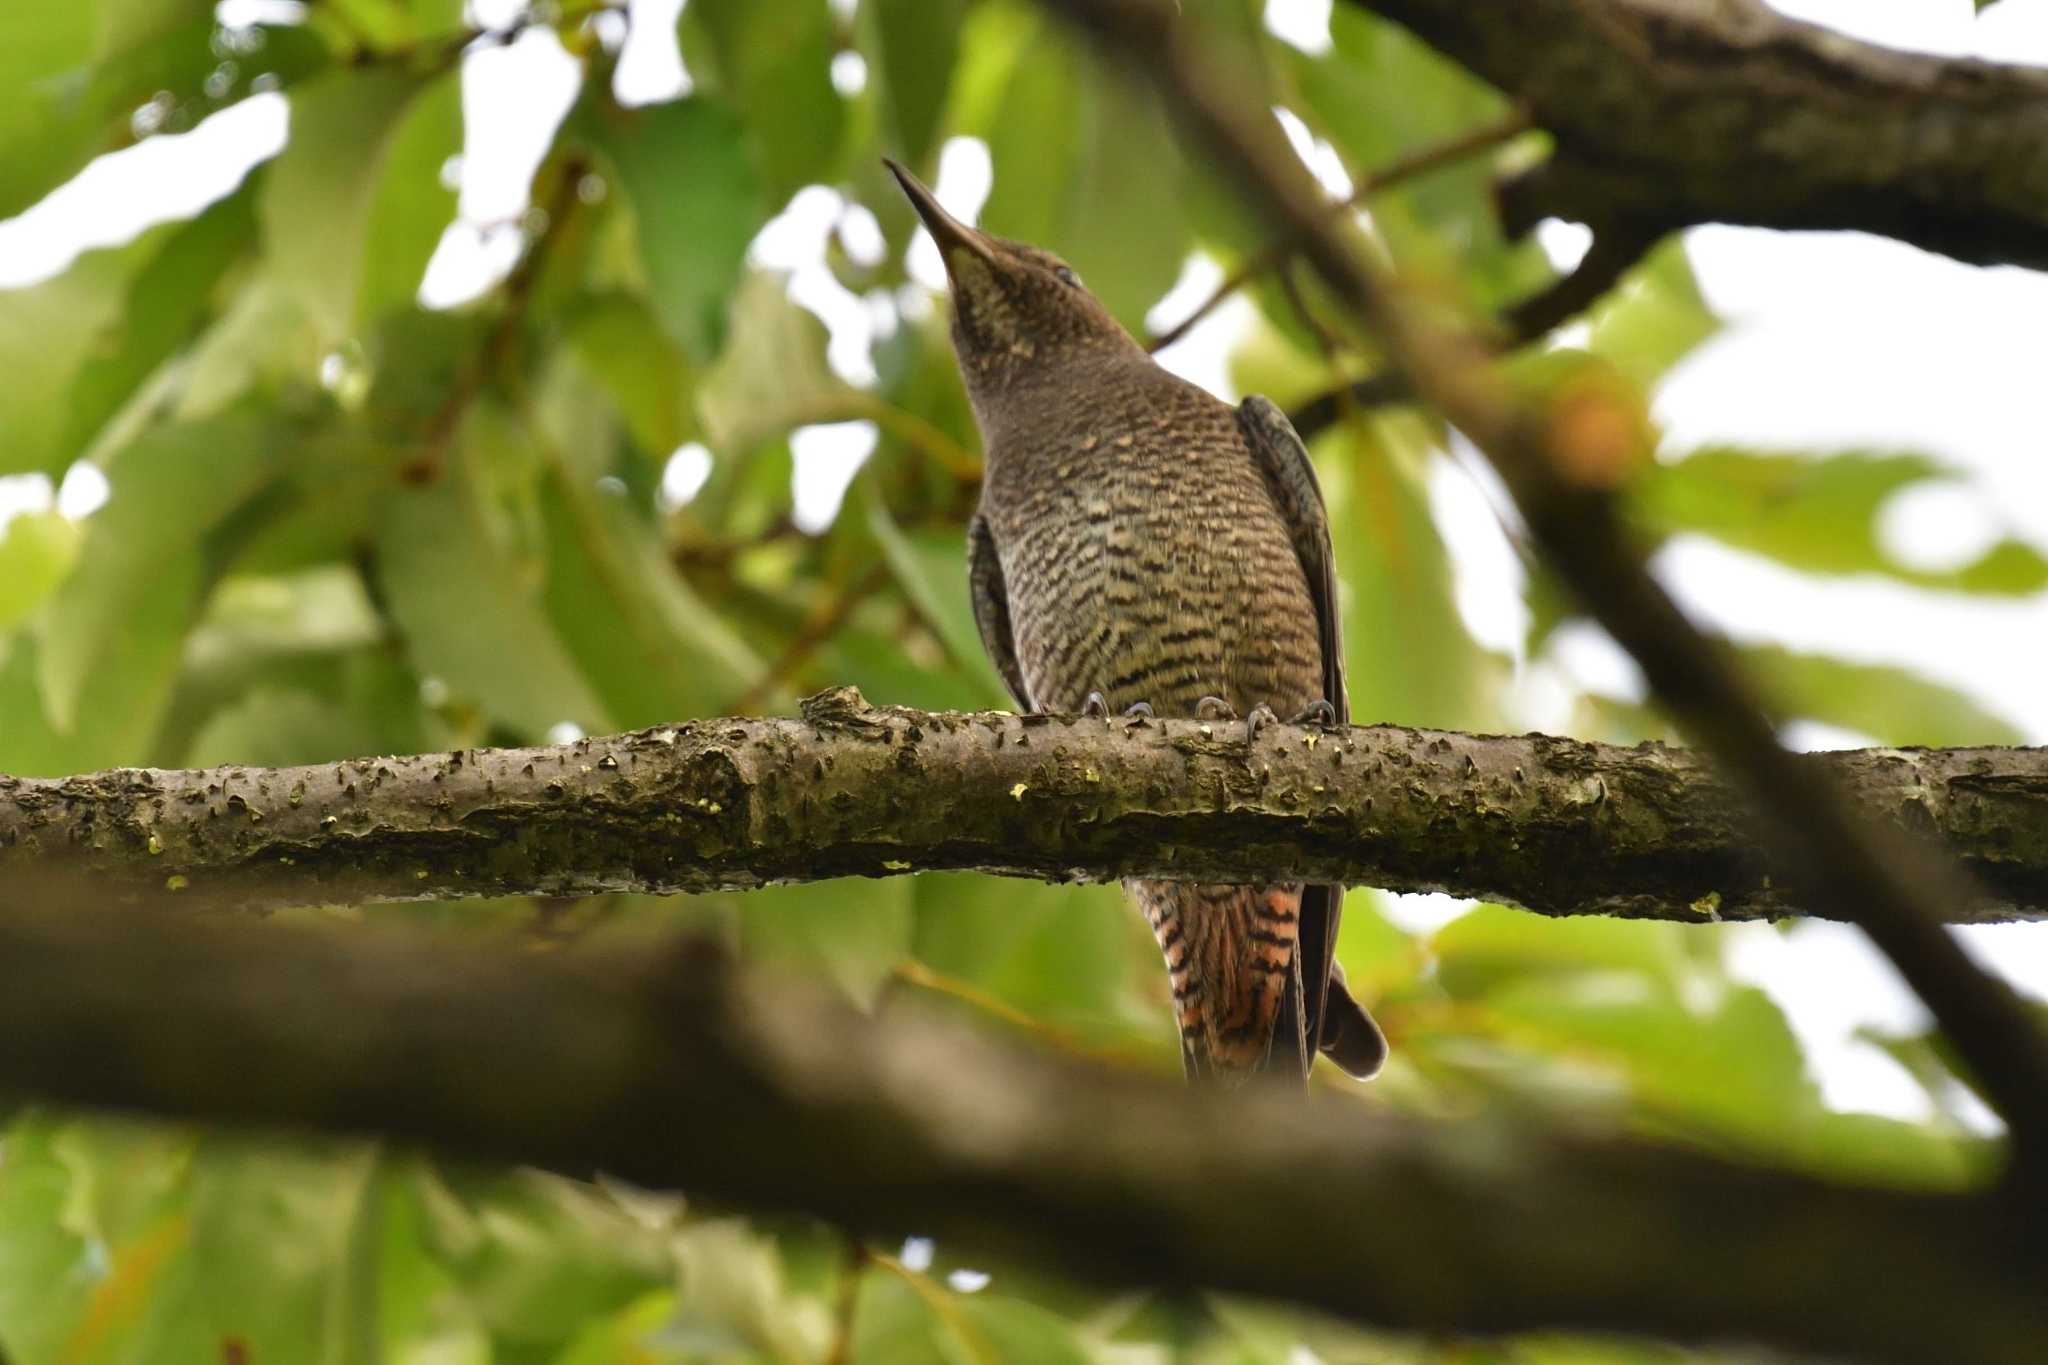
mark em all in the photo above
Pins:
pixel 949 232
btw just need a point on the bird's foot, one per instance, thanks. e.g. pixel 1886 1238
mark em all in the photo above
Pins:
pixel 1215 709
pixel 1317 713
pixel 1096 707
pixel 1258 719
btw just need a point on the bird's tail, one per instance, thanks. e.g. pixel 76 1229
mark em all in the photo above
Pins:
pixel 1238 959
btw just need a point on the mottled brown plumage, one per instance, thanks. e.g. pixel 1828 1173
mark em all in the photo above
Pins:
pixel 1140 541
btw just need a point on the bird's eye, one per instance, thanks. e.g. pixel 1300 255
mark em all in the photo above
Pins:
pixel 1067 276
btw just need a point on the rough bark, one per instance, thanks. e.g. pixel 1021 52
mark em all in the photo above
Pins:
pixel 1556 825
pixel 1673 112
pixel 670 1070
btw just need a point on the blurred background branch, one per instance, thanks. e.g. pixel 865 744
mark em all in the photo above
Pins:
pixel 670 1069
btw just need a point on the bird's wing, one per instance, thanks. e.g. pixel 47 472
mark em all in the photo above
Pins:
pixel 1284 461
pixel 992 608
pixel 1331 1020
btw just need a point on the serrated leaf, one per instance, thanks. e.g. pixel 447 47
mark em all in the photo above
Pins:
pixel 322 192
pixel 696 205
pixel 1819 514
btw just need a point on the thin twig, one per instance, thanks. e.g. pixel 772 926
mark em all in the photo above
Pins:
pixel 1412 166
pixel 1891 885
pixel 1615 250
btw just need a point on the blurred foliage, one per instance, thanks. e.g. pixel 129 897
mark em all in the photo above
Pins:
pixel 340 523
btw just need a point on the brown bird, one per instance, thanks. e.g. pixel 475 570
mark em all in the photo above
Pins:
pixel 1143 547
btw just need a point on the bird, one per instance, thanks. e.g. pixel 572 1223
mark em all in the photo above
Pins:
pixel 1143 548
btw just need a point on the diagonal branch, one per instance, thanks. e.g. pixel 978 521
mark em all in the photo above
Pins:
pixel 1556 825
pixel 1889 886
pixel 1729 112
pixel 666 1068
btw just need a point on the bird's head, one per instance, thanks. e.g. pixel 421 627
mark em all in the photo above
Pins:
pixel 1017 311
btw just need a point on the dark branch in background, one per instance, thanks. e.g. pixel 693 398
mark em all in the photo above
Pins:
pixel 1681 112
pixel 664 1067
pixel 1615 249
pixel 1405 168
pixel 1556 825
pixel 1839 862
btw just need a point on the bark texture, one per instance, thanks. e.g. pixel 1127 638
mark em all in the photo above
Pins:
pixel 1673 112
pixel 673 1071
pixel 1555 825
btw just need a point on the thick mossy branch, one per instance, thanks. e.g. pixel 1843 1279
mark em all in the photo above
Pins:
pixel 1673 112
pixel 666 1068
pixel 1556 825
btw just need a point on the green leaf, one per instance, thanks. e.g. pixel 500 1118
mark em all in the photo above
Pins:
pixel 1819 514
pixel 917 43
pixel 1891 705
pixel 114 630
pixel 651 647
pixel 411 206
pixel 1379 94
pixel 45 1264
pixel 736 1297
pixel 854 931
pixel 36 550
pixel 773 376
pixel 468 593
pixel 283 1238
pixel 167 302
pixel 1398 596
pixel 1086 167
pixel 1654 318
pixel 620 346
pixel 49 333
pixel 696 204
pixel 322 194
pixel 775 65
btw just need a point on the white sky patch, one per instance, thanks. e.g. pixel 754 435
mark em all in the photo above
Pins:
pixel 966 175
pixel 1566 244
pixel 849 73
pixel 84 491
pixel 1203 355
pixel 683 476
pixel 1422 913
pixel 1591 659
pixel 20 493
pixel 1830 982
pixel 965 1281
pixel 249 13
pixel 564 732
pixel 1488 580
pixel 1301 23
pixel 1316 154
pixel 916 1254
pixel 514 97
pixel 650 68
pixel 827 458
pixel 1937 527
pixel 1815 736
pixel 162 179
pixel 795 241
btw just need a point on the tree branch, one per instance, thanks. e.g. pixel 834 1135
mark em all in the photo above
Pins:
pixel 1681 112
pixel 666 1068
pixel 1556 825
pixel 1888 886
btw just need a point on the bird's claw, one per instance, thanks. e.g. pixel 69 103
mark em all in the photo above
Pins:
pixel 1256 720
pixel 1317 712
pixel 1096 707
pixel 1215 709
